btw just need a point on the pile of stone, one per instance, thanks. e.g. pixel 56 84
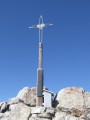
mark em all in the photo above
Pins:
pixel 70 104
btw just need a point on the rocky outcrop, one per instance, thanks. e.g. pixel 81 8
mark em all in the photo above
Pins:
pixel 71 104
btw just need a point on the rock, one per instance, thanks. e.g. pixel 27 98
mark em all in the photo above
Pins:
pixel 77 112
pixel 39 118
pixel 1 115
pixel 59 116
pixel 71 98
pixel 14 101
pixel 40 112
pixel 5 116
pixel 4 107
pixel 64 116
pixel 69 117
pixel 87 100
pixel 44 115
pixel 86 114
pixel 28 96
pixel 35 117
pixel 50 111
pixel 20 111
pixel 1 104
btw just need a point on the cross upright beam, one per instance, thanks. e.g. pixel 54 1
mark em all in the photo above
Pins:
pixel 40 78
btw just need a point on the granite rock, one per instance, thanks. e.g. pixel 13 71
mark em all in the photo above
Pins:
pixel 71 98
pixel 28 96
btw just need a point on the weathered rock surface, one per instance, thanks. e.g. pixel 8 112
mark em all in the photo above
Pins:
pixel 28 96
pixel 71 98
pixel 71 104
pixel 19 111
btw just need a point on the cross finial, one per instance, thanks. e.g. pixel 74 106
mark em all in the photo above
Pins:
pixel 40 26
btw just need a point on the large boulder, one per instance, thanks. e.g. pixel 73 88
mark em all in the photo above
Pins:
pixel 87 100
pixel 71 98
pixel 28 96
pixel 19 111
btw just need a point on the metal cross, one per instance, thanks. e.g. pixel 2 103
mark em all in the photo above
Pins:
pixel 40 26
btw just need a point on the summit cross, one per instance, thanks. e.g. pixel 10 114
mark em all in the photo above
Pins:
pixel 40 78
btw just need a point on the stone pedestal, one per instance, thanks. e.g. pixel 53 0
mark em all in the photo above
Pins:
pixel 39 101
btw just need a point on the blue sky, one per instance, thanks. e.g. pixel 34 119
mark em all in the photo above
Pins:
pixel 66 44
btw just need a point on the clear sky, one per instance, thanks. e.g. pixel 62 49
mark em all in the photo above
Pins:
pixel 66 44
